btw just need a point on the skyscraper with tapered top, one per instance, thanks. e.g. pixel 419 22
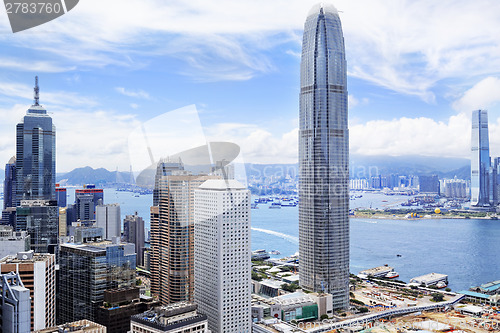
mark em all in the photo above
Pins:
pixel 36 154
pixel 35 184
pixel 480 160
pixel 324 158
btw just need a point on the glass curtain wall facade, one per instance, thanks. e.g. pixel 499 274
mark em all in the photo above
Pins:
pixel 324 158
pixel 480 159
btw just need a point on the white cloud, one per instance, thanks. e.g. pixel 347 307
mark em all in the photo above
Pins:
pixel 133 93
pixel 413 136
pixel 405 46
pixel 257 145
pixel 17 90
pixel 482 95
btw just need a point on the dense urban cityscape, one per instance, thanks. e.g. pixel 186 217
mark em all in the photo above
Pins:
pixel 189 258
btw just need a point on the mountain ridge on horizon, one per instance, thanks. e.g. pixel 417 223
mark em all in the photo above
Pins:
pixel 360 165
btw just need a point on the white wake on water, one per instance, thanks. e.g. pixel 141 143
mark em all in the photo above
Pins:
pixel 290 238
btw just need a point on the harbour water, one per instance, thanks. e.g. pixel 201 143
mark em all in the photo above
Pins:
pixel 466 250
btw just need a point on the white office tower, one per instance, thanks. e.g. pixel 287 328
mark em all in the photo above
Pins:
pixel 108 218
pixel 222 255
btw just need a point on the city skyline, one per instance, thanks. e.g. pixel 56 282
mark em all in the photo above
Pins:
pixel 416 83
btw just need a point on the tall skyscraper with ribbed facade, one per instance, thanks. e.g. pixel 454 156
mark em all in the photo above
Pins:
pixel 324 158
pixel 36 177
pixel 36 154
pixel 480 159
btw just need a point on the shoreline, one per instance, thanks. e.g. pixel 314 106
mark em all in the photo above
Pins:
pixel 425 217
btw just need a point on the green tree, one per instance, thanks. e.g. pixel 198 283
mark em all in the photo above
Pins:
pixel 437 297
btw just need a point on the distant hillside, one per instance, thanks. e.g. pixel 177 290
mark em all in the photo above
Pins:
pixel 360 166
pixel 410 165
pixel 88 175
pixel 366 166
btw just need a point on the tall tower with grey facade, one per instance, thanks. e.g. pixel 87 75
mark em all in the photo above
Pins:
pixel 324 158
pixel 480 160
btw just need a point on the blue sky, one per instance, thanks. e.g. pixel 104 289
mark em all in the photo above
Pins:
pixel 416 69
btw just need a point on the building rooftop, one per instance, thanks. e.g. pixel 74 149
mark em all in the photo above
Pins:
pixel 75 327
pixel 474 294
pixel 432 277
pixel 222 184
pixel 377 270
pixel 491 286
pixel 170 316
pixel 26 257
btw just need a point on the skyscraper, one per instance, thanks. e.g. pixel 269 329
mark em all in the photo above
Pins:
pixel 222 255
pixel 35 177
pixel 133 232
pixel 480 159
pixel 172 237
pixel 324 158
pixel 108 218
pixel 36 154
pixel 9 184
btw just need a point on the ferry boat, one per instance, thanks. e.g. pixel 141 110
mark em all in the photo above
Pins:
pixel 274 252
pixel 441 285
pixel 392 275
pixel 275 205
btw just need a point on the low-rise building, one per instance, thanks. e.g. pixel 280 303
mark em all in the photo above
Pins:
pixel 432 279
pixel 119 305
pixel 80 326
pixel 12 242
pixel 297 306
pixel 173 318
pixel 490 288
pixel 274 326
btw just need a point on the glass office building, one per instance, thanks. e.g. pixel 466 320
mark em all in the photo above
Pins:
pixel 324 158
pixel 36 155
pixel 480 159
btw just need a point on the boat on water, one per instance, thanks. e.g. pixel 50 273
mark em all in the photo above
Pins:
pixel 441 285
pixel 289 204
pixel 392 275
pixel 275 205
pixel 254 206
pixel 274 252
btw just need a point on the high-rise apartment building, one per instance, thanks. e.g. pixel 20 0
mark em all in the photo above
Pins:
pixel 108 218
pixel 14 304
pixel 172 237
pixel 86 271
pixel 480 159
pixel 38 273
pixel 222 255
pixel 324 158
pixel 133 232
pixel 36 154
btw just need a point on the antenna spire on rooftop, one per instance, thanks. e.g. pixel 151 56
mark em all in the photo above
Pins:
pixel 37 91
